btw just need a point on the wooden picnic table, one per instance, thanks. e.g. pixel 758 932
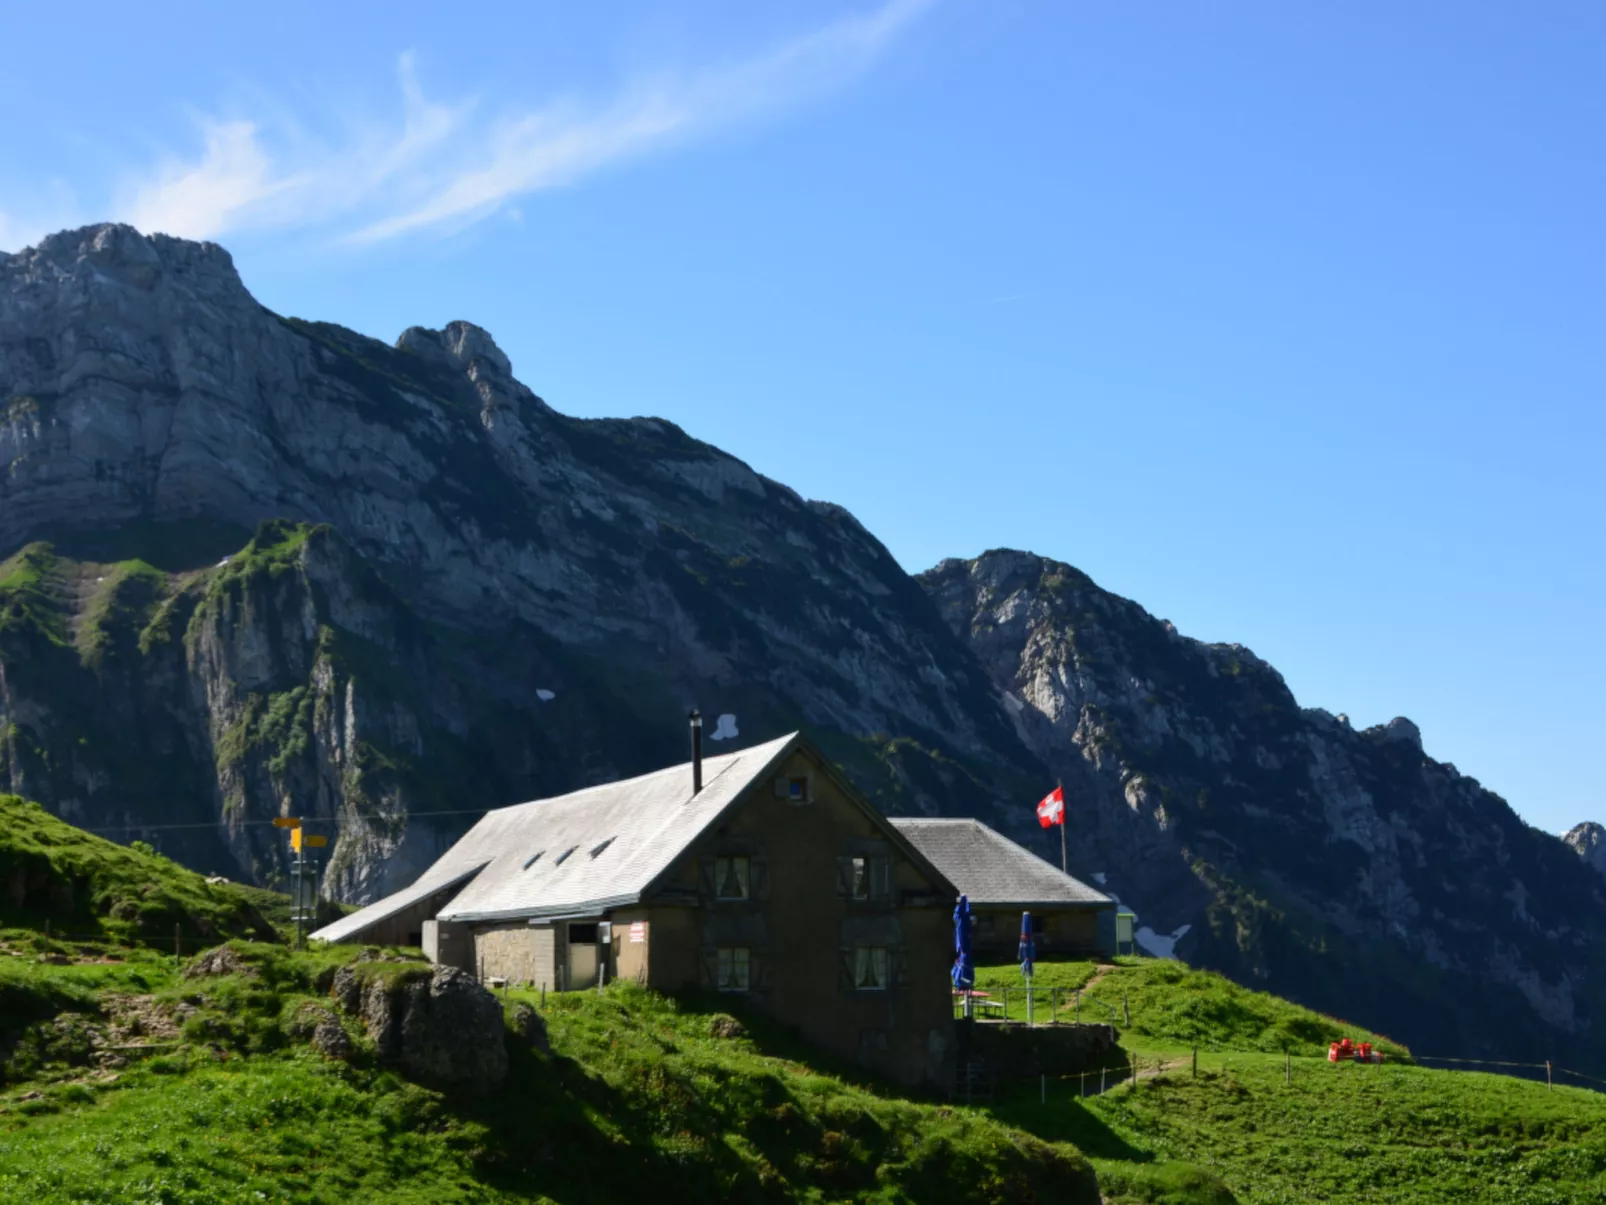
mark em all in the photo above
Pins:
pixel 981 1001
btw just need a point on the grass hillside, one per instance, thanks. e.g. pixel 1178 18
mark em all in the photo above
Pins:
pixel 1173 1007
pixel 1268 1121
pixel 223 1100
pixel 126 1076
pixel 86 886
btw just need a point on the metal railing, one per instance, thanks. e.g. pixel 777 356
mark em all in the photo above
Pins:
pixel 1035 1006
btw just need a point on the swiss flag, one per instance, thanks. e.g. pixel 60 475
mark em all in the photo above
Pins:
pixel 1052 810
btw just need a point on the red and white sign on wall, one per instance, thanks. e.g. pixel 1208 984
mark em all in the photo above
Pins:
pixel 638 932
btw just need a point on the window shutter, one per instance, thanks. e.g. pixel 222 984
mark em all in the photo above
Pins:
pixel 705 866
pixel 844 875
pixel 710 967
pixel 845 975
pixel 759 870
pixel 881 878
pixel 898 966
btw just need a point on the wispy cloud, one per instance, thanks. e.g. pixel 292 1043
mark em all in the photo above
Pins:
pixel 442 167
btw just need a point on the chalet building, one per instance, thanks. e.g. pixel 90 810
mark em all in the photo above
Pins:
pixel 1002 879
pixel 762 873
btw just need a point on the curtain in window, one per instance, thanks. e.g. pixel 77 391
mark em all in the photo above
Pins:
pixel 735 969
pixel 870 968
pixel 733 877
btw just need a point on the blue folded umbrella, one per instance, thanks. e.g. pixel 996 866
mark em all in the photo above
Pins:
pixel 964 973
pixel 1028 945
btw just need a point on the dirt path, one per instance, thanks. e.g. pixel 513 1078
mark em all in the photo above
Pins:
pixel 1098 975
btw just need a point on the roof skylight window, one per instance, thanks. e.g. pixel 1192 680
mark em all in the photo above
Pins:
pixel 564 856
pixel 533 858
pixel 597 849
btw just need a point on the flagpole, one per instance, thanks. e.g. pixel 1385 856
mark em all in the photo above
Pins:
pixel 1064 866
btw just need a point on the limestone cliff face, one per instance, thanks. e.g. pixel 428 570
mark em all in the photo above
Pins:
pixel 1278 843
pixel 497 601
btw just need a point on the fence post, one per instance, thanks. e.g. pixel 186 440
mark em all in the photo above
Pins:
pixel 1288 1067
pixel 1549 1085
pixel 47 928
pixel 1102 1070
pixel 1078 1006
pixel 178 941
pixel 1126 1009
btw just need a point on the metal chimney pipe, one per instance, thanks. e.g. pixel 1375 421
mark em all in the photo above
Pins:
pixel 696 751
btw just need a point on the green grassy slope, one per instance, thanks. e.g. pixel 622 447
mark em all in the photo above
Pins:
pixel 86 886
pixel 1275 1128
pixel 1161 1005
pixel 638 1101
pixel 123 1079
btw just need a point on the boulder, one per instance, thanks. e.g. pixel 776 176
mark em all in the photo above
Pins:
pixel 438 1026
pixel 331 1040
pixel 224 960
pixel 723 1025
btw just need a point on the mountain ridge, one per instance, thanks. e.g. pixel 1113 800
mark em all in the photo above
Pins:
pixel 456 594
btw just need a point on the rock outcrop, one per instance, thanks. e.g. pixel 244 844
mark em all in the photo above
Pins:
pixel 438 1025
pixel 1589 841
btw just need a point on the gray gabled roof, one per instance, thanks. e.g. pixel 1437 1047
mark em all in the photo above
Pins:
pixel 991 869
pixel 442 876
pixel 599 848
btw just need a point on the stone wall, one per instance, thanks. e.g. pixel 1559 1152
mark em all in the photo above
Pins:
pixel 1017 1052
pixel 518 952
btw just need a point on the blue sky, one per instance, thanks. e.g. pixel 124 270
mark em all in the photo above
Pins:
pixel 1285 320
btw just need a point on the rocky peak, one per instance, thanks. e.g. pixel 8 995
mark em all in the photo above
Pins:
pixel 458 346
pixel 115 254
pixel 1399 730
pixel 1589 841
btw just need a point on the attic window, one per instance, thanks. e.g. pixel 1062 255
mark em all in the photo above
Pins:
pixel 597 849
pixel 564 856
pixel 794 788
pixel 533 858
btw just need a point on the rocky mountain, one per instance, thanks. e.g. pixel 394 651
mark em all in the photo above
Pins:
pixel 461 598
pixel 259 565
pixel 1589 841
pixel 1279 844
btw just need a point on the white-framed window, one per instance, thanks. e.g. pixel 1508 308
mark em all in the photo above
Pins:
pixel 733 877
pixel 733 969
pixel 870 966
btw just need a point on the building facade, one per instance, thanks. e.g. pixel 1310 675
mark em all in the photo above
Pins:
pixel 776 883
pixel 1003 880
